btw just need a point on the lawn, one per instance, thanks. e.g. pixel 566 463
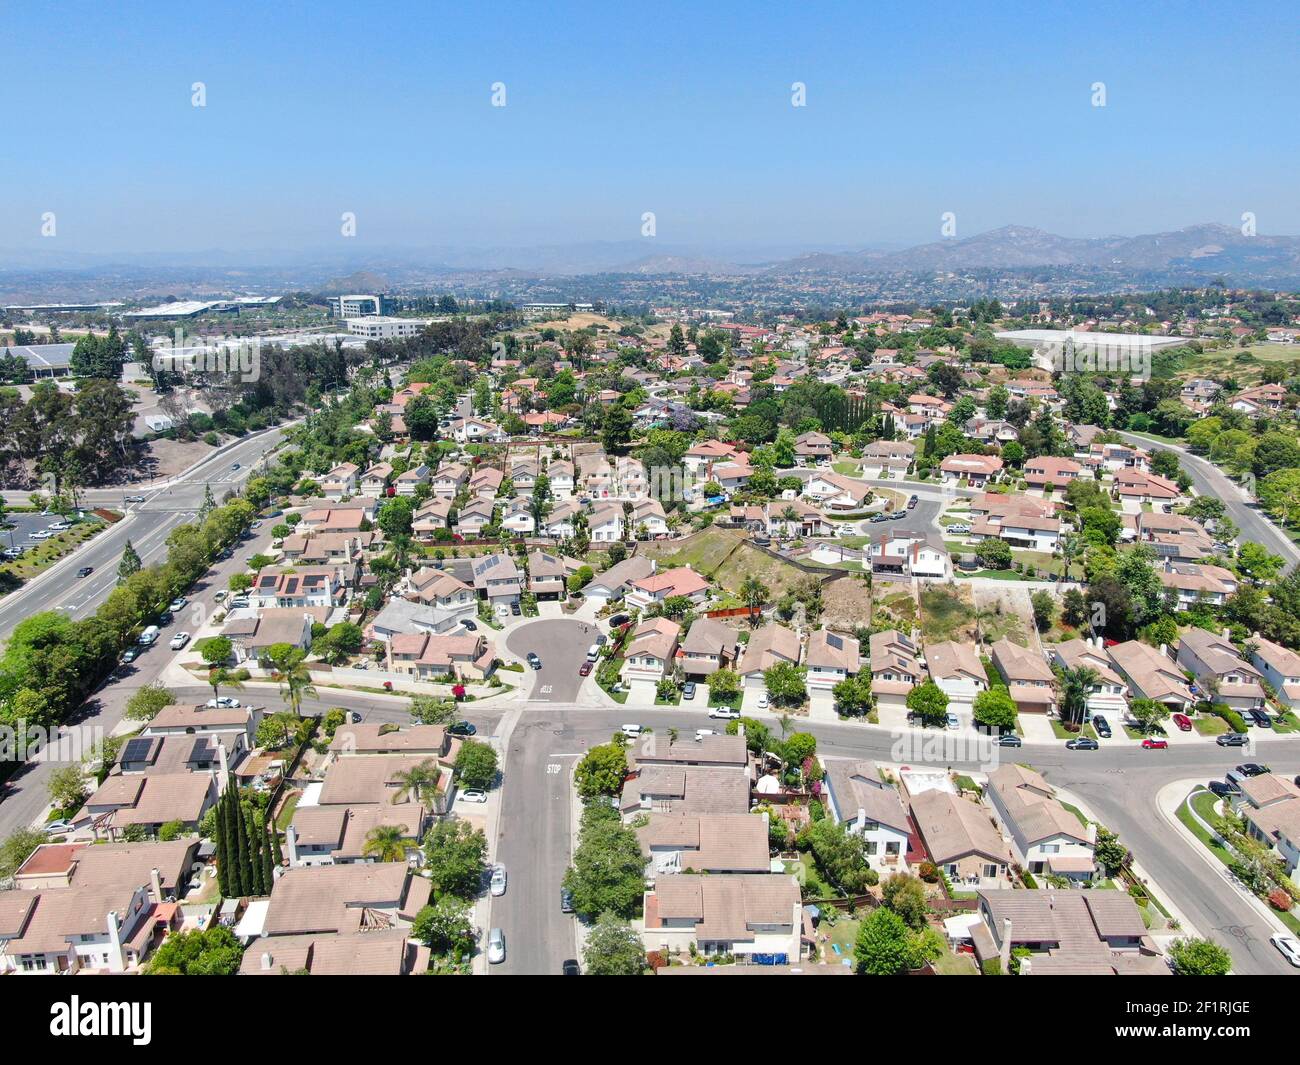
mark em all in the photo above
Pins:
pixel 1209 726
pixel 952 964
pixel 844 935
pixel 40 558
pixel 1061 733
pixel 847 468
pixel 1077 813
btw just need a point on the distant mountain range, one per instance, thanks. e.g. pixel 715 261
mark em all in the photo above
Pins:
pixel 1194 255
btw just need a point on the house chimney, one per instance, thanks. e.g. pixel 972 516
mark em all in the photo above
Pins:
pixel 1164 649
pixel 155 885
pixel 1004 948
pixel 267 961
pixel 862 818
pixel 114 926
pixel 1227 633
pixel 291 841
pixel 223 760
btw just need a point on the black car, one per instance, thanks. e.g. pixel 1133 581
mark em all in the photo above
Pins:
pixel 1082 744
pixel 85 571
pixel 165 618
pixel 566 900
pixel 1102 726
pixel 1252 769
pixel 1222 788
pixel 570 968
pixel 533 660
pixel 617 620
pixel 1232 739
pixel 912 502
pixel 469 626
pixel 514 609
pixel 1010 739
pixel 1261 719
pixel 601 640
pixel 461 728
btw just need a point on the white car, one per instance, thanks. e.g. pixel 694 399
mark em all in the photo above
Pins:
pixel 632 731
pixel 1288 945
pixel 498 882
pixel 43 534
pixel 724 712
pixel 473 795
pixel 762 702
pixel 223 702
pixel 700 733
pixel 496 946
pixel 58 526
pixel 220 596
pixel 178 604
pixel 179 640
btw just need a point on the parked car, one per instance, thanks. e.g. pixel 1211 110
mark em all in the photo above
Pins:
pixel 566 900
pixel 1222 788
pixel 515 609
pixel 617 620
pixel 912 502
pixel 1010 739
pixel 1151 743
pixel 496 946
pixel 461 728
pixel 584 669
pixel 1260 718
pixel 632 731
pixel 234 465
pixel 570 968
pixel 59 526
pixel 223 702
pixel 601 640
pixel 177 604
pixel 85 571
pixel 149 637
pixel 497 885
pixel 468 625
pixel 700 733
pixel 179 640
pixel 12 553
pixel 473 795
pixel 533 660
pixel 1288 945
pixel 688 690
pixel 1102 726
pixel 130 655
pixel 1232 739
pixel 239 602
pixel 57 828
pixel 1183 722
pixel 879 518
pixel 1252 769
pixel 724 712
pixel 220 595
pixel 1082 744
pixel 953 722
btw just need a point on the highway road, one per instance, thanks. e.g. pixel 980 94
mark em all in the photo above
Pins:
pixel 1209 480
pixel 147 525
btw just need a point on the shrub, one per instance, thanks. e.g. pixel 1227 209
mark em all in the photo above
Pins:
pixel 1279 900
pixel 929 872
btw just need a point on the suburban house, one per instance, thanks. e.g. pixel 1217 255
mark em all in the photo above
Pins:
pixel 1194 583
pixel 1138 486
pixel 1151 674
pixel 667 584
pixel 1107 695
pixel 975 470
pixel 344 899
pixel 871 808
pixel 1068 932
pixel 384 952
pixel 829 658
pixel 704 843
pixel 150 800
pixel 767 646
pixel 709 646
pixel 813 449
pixel 473 517
pixel 435 658
pixel 957 670
pixel 910 554
pixel 498 580
pixel 1047 839
pixel 448 480
pixel 650 651
pixel 699 789
pixel 1280 666
pixel 252 634
pixel 1049 470
pixel 548 575
pixel 895 667
pixel 374 481
pixel 341 481
pixel 961 839
pixel 308 586
pixel 615 581
pixel 1030 680
pixel 1270 806
pixel 752 917
pixel 835 492
pixel 1218 666
pixel 405 483
pixel 336 835
pixel 605 523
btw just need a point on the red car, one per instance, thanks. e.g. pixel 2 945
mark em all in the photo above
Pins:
pixel 1151 744
pixel 584 669
pixel 1183 722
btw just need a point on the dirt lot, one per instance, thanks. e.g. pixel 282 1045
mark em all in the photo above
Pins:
pixel 892 604
pixel 1005 611
pixel 948 613
pixel 846 603
pixel 723 555
pixel 167 458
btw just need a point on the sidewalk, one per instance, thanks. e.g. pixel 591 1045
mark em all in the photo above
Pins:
pixel 1168 800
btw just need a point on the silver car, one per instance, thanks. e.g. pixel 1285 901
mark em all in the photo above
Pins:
pixel 498 883
pixel 496 946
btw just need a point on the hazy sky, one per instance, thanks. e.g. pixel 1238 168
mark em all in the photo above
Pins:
pixel 614 109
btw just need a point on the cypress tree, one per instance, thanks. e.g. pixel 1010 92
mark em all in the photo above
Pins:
pixel 253 863
pixel 223 857
pixel 268 866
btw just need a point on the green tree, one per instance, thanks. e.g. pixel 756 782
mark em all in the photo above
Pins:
pixel 445 927
pixel 1199 957
pixel 476 764
pixel 16 848
pixel 432 710
pixel 608 870
pixel 853 696
pixel 786 684
pixel 995 709
pixel 905 895
pixel 146 702
pixel 613 948
pixel 602 770
pixel 882 945
pixel 929 702
pixel 67 788
pixel 210 952
pixel 455 855
pixel 1075 686
pixel 295 678
pixel 130 563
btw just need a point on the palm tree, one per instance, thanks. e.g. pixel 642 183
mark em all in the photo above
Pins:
pixel 1075 686
pixel 295 677
pixel 785 721
pixel 220 675
pixel 387 843
pixel 287 722
pixel 1070 545
pixel 754 593
pixel 418 781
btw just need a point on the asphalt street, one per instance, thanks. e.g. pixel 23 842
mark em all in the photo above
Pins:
pixel 561 644
pixel 1209 480
pixel 147 525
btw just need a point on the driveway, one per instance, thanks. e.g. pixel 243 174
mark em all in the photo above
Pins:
pixel 562 645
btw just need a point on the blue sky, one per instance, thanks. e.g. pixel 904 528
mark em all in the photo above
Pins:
pixel 617 109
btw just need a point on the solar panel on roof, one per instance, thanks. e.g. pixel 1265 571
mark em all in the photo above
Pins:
pixel 201 752
pixel 835 641
pixel 139 749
